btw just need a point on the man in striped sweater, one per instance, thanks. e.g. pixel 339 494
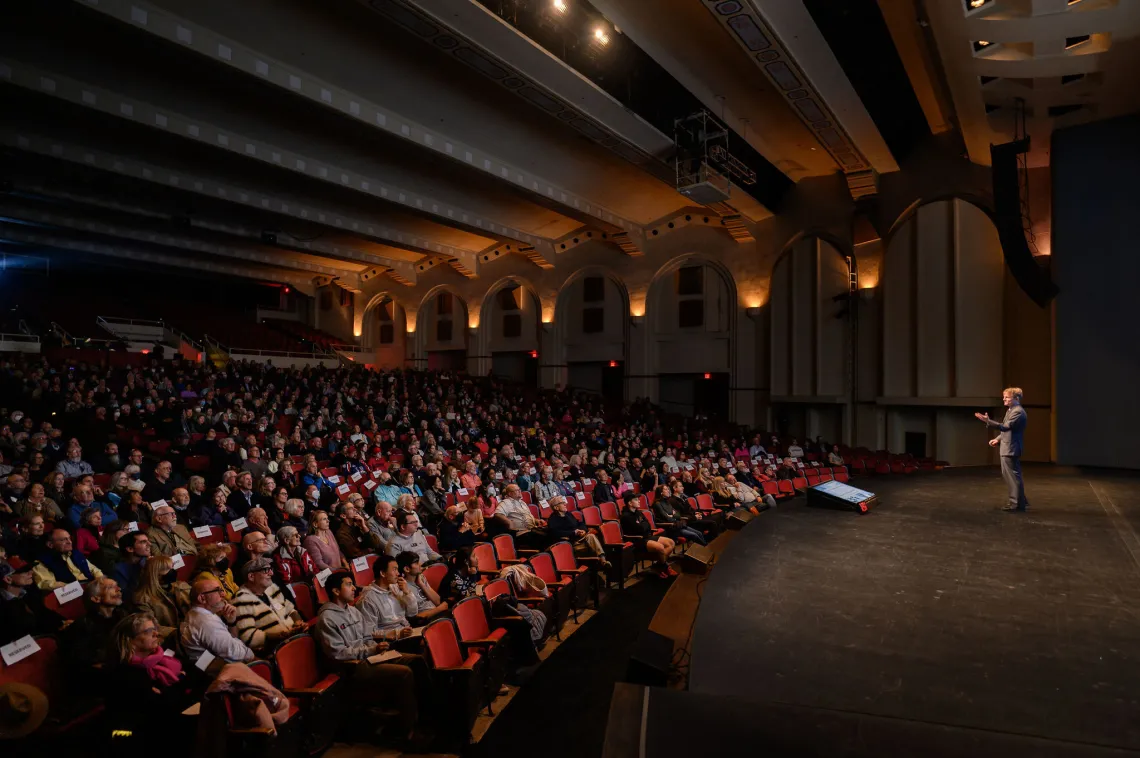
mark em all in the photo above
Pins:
pixel 265 617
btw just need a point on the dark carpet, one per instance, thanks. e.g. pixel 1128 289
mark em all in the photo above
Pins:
pixel 561 710
pixel 937 607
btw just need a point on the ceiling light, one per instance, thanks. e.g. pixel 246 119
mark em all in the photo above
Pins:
pixel 559 5
pixel 977 3
pixel 601 36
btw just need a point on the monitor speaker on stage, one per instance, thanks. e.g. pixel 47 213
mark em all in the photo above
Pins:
pixel 841 496
pixel 649 664
pixel 736 521
pixel 696 560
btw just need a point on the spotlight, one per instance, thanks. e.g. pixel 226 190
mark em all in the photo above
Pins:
pixel 973 5
pixel 560 5
pixel 601 36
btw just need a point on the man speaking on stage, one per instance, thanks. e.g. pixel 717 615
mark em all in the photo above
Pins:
pixel 1011 430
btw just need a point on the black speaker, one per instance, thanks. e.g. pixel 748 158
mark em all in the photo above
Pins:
pixel 697 560
pixel 737 520
pixel 649 664
pixel 1031 277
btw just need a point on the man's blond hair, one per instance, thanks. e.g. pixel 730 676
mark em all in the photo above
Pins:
pixel 1015 391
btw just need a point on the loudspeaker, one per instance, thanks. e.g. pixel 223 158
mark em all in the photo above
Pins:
pixel 1031 277
pixel 697 560
pixel 738 520
pixel 649 664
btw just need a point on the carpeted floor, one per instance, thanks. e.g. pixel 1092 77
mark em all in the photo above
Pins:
pixel 576 682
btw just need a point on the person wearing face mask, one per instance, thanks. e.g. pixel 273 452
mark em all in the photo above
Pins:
pixel 214 563
pixel 84 641
pixel 167 537
pixel 160 593
pixel 208 627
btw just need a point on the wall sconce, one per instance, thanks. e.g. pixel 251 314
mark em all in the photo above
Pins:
pixel 753 312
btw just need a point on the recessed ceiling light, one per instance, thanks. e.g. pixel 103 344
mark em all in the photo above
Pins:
pixel 559 5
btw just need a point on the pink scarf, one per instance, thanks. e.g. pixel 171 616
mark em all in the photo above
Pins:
pixel 162 668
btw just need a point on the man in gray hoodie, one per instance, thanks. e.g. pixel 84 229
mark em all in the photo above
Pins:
pixel 341 632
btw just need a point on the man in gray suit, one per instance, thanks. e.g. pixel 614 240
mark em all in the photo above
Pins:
pixel 1011 430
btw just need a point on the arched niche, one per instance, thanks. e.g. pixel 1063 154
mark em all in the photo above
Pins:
pixel 691 319
pixel 591 332
pixel 509 322
pixel 810 336
pixel 384 329
pixel 941 322
pixel 441 325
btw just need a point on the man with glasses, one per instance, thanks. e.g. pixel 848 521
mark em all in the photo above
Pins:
pixel 265 617
pixel 208 627
pixel 168 537
pixel 409 538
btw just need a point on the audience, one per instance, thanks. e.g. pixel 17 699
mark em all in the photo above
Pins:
pixel 265 617
pixel 208 628
pixel 409 538
pixel 168 537
pixel 428 604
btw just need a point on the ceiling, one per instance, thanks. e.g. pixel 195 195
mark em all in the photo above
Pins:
pixel 355 139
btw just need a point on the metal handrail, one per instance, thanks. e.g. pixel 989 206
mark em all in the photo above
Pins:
pixel 346 348
pixel 129 321
pixel 13 337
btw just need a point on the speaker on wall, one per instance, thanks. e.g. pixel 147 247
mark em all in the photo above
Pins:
pixel 1033 280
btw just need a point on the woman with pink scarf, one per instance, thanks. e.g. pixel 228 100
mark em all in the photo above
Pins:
pixel 148 686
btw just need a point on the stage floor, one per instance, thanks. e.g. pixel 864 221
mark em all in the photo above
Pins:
pixel 938 607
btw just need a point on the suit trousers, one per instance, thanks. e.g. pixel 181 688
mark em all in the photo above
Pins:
pixel 1011 472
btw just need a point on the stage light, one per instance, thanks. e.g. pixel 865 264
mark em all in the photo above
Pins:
pixel 560 6
pixel 601 36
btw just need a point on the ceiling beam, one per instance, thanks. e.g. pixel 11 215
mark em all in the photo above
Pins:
pixel 226 51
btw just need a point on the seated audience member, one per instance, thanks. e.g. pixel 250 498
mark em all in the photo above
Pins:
pixel 241 499
pixel 85 641
pixel 31 540
pixel 604 491
pixel 514 515
pixel 133 508
pixel 794 450
pixel 343 638
pixel 635 524
pixel 546 488
pixel 21 606
pixel 134 547
pixel 254 544
pixel 161 594
pixel 180 500
pixel 212 513
pixel 265 617
pixel 428 604
pixel 463 576
pixel 207 627
pixel 409 537
pixel 159 486
pixel 473 515
pixel 454 531
pixel 14 490
pixel 60 564
pixel 214 563
pixel 322 543
pixel 833 457
pixel 387 602
pixel 788 469
pixel 562 526
pixel 433 502
pixel 37 502
pixel 83 498
pixel 291 561
pixel 695 519
pixel 353 535
pixel 723 496
pixel 168 537
pixel 293 514
pixel 73 466
pixel 673 522
pixel 384 525
pixel 146 690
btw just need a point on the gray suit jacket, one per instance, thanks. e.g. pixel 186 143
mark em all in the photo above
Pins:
pixel 1012 430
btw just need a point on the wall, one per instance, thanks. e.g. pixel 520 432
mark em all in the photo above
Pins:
pixel 338 319
pixel 1095 202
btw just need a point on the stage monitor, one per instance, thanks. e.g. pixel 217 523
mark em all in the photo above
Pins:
pixel 839 495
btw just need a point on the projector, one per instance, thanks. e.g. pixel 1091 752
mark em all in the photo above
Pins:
pixel 706 185
pixel 705 193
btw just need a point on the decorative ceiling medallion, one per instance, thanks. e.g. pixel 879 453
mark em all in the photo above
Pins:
pixel 745 25
pixel 406 14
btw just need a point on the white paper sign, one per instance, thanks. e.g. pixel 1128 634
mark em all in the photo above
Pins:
pixel 68 592
pixel 462 490
pixel 14 652
pixel 238 524
pixel 361 563
pixel 543 504
pixel 580 495
pixel 204 662
pixel 201 532
pixel 322 576
pixel 450 416
pixel 335 479
pixel 168 653
pixel 370 485
pixel 532 457
pixel 342 489
pixel 157 504
pixel 357 476
pixel 387 655
pixel 133 526
pixel 177 561
pixel 356 437
pixel 376 474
